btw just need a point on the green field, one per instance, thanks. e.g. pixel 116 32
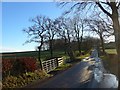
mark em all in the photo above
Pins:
pixel 44 54
pixel 111 51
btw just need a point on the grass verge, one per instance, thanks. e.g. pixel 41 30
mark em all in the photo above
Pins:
pixel 24 79
pixel 110 61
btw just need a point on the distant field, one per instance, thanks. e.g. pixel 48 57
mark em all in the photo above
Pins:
pixel 111 51
pixel 44 54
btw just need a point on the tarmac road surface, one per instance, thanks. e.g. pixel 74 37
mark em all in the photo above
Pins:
pixel 77 76
pixel 80 75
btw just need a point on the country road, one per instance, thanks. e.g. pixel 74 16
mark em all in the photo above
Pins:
pixel 89 73
pixel 77 76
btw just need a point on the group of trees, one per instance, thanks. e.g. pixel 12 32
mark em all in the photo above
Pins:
pixel 45 30
pixel 108 8
pixel 104 23
pixel 68 29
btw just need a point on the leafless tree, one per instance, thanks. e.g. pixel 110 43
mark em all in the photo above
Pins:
pixel 101 28
pixel 37 33
pixel 51 27
pixel 78 28
pixel 62 31
pixel 66 33
pixel 107 7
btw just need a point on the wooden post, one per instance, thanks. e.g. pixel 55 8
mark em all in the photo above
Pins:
pixel 57 62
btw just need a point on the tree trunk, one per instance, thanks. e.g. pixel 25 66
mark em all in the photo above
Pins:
pixel 51 48
pixel 102 44
pixel 70 53
pixel 117 40
pixel 116 27
pixel 80 41
pixel 79 45
pixel 39 57
pixel 65 45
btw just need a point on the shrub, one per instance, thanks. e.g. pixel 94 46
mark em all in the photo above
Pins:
pixel 29 63
pixel 18 66
pixel 6 65
pixel 24 64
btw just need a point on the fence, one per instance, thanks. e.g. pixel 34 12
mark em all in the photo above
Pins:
pixel 51 64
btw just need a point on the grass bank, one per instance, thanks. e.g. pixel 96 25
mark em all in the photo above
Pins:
pixel 110 61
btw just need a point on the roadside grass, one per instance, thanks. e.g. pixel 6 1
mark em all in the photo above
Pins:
pixel 111 51
pixel 24 79
pixel 110 62
pixel 63 67
pixel 83 56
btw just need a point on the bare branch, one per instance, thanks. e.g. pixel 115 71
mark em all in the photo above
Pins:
pixel 101 7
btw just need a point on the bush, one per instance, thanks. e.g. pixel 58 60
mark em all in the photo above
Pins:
pixel 29 63
pixel 18 66
pixel 7 65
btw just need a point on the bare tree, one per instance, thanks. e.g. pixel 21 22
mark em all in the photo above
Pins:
pixel 51 27
pixel 62 31
pixel 107 7
pixel 111 9
pixel 100 28
pixel 66 33
pixel 37 33
pixel 114 15
pixel 78 27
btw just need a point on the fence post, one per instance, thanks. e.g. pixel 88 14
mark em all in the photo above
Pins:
pixel 57 62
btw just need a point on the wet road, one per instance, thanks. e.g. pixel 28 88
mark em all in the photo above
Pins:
pixel 81 75
pixel 77 76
